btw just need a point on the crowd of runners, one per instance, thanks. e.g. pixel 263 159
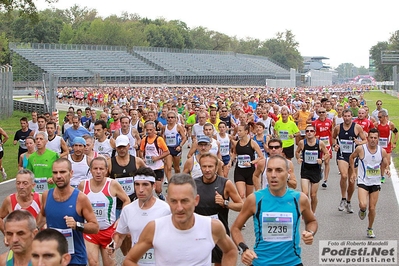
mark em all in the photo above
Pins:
pixel 99 179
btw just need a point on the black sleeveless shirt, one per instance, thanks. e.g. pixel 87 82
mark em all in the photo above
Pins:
pixel 125 171
pixel 207 205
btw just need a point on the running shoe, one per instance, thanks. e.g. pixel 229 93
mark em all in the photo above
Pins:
pixel 4 174
pixel 382 179
pixel 324 184
pixel 349 208
pixel 342 205
pixel 362 214
pixel 370 233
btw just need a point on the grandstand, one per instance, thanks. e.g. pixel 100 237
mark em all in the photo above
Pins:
pixel 84 63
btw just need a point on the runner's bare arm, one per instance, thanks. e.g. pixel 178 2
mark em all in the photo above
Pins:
pixel 144 244
pixel 91 224
pixel 225 243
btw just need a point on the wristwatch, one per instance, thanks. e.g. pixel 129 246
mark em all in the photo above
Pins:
pixel 226 203
pixel 80 226
pixel 310 231
pixel 242 247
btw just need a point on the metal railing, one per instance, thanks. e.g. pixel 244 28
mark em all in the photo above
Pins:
pixel 6 91
pixel 28 107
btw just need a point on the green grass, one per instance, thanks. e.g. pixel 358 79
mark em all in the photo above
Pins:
pixel 390 103
pixel 11 125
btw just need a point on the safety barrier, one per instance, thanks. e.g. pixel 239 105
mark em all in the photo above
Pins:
pixel 29 107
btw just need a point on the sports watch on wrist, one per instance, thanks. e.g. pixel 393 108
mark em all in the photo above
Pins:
pixel 80 226
pixel 242 247
pixel 226 203
pixel 310 231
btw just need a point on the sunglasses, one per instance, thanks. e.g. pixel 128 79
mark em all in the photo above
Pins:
pixel 322 112
pixel 223 111
pixel 114 114
pixel 309 130
pixel 379 103
pixel 171 117
pixel 379 116
pixel 274 147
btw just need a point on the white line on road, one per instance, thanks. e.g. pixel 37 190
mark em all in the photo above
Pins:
pixel 7 181
pixel 395 180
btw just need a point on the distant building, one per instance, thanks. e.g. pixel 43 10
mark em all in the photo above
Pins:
pixel 315 63
pixel 316 72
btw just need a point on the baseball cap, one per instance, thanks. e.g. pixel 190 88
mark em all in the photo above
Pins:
pixel 79 140
pixel 204 139
pixel 121 140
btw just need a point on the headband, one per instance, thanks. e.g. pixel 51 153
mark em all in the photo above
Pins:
pixel 145 178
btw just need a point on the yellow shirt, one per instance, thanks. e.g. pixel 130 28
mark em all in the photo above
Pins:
pixel 215 125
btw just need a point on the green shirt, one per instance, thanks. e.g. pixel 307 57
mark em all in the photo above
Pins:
pixel 191 120
pixel 42 165
pixel 284 130
pixel 354 110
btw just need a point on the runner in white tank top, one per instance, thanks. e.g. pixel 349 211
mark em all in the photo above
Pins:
pixel 103 203
pixel 80 170
pixel 103 148
pixel 224 144
pixel 103 193
pixel 196 170
pixel 129 131
pixel 194 236
pixel 54 144
pixel 185 250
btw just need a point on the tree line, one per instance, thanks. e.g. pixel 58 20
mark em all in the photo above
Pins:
pixel 384 72
pixel 82 25
pixel 20 21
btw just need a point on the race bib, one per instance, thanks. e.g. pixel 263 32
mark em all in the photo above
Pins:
pixel 242 159
pixel 346 145
pixel 326 141
pixel 383 142
pixel 277 226
pixel 171 140
pixel 311 157
pixel 373 171
pixel 127 184
pixel 148 258
pixel 69 237
pixel 22 144
pixel 224 148
pixel 41 185
pixel 148 160
pixel 283 134
pixel 214 216
pixel 100 211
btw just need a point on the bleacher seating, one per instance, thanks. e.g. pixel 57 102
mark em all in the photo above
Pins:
pixel 82 62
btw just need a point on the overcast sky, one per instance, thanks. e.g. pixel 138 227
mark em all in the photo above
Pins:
pixel 343 31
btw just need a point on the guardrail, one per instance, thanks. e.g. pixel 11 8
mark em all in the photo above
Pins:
pixel 29 107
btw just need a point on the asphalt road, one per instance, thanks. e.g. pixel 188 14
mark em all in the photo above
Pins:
pixel 333 224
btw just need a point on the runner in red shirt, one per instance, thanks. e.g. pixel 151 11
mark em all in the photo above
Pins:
pixel 362 120
pixel 246 107
pixel 386 128
pixel 324 127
